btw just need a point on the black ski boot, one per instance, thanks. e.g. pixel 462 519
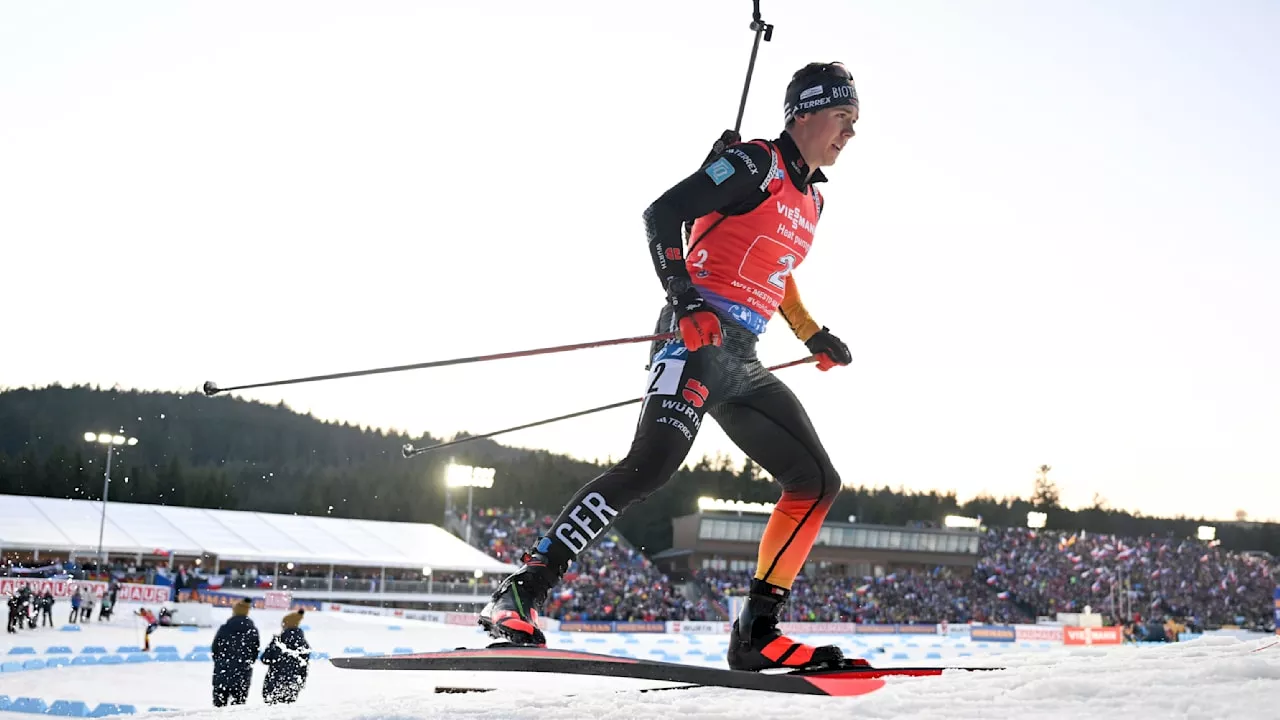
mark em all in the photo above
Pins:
pixel 757 644
pixel 512 614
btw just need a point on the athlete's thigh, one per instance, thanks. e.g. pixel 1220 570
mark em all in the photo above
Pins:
pixel 678 392
pixel 770 425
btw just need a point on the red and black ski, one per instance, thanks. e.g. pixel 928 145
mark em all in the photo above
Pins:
pixel 855 677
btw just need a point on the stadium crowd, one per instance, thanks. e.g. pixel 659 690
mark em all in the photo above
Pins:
pixel 1155 577
pixel 1020 574
pixel 902 596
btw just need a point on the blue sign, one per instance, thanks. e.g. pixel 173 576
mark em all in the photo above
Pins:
pixel 720 170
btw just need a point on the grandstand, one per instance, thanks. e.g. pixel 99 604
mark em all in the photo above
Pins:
pixel 721 540
pixel 317 551
pixel 858 573
pixel 898 574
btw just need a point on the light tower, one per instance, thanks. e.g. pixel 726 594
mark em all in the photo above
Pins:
pixel 111 441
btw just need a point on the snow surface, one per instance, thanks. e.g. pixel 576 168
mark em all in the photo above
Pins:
pixel 1211 677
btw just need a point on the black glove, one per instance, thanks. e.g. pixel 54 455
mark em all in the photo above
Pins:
pixel 831 350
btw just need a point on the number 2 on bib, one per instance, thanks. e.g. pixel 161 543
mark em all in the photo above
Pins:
pixel 767 264
pixel 664 377
pixel 779 279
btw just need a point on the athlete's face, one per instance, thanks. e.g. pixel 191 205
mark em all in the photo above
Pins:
pixel 826 132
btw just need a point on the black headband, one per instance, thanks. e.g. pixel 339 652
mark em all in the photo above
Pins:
pixel 826 86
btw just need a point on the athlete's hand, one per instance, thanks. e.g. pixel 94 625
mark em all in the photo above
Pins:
pixel 831 351
pixel 699 325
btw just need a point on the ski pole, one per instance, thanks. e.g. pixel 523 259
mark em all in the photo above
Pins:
pixel 210 388
pixel 409 451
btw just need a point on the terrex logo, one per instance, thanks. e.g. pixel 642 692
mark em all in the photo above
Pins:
pixel 794 215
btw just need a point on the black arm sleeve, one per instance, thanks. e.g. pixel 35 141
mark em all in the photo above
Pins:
pixel 732 178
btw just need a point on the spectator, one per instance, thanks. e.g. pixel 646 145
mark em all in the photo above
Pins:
pixel 286 658
pixel 14 603
pixel 235 648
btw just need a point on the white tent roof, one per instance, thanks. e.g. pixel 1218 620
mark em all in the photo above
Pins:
pixel 54 524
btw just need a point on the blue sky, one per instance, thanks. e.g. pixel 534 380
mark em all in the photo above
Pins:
pixel 1052 242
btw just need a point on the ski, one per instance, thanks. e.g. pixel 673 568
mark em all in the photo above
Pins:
pixel 854 677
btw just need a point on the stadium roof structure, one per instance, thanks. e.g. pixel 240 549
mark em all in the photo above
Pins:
pixel 66 525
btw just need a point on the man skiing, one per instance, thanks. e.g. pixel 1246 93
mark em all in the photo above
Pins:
pixel 754 210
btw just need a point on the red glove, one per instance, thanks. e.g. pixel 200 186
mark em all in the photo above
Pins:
pixel 699 325
pixel 700 328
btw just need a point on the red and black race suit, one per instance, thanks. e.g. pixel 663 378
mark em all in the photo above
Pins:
pixel 753 213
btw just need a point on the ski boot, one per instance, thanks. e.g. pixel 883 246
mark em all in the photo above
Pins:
pixel 512 615
pixel 757 644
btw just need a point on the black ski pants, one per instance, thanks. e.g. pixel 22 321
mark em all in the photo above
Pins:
pixel 232 690
pixel 754 408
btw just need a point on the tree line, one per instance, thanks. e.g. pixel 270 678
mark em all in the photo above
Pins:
pixel 229 453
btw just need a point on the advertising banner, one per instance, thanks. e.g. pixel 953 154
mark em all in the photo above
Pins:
pixel 1072 635
pixel 623 626
pixel 833 628
pixel 227 599
pixel 153 594
pixel 1039 633
pixel 612 626
pixel 871 629
pixel 276 600
pixel 60 588
pixel 586 626
pixel 358 610
pixel 432 616
pixel 918 629
pixel 992 633
pixel 699 627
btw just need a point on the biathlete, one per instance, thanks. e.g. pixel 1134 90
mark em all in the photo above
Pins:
pixel 754 208
pixel 152 624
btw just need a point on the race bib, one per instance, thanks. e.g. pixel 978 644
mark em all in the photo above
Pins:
pixel 767 263
pixel 665 372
